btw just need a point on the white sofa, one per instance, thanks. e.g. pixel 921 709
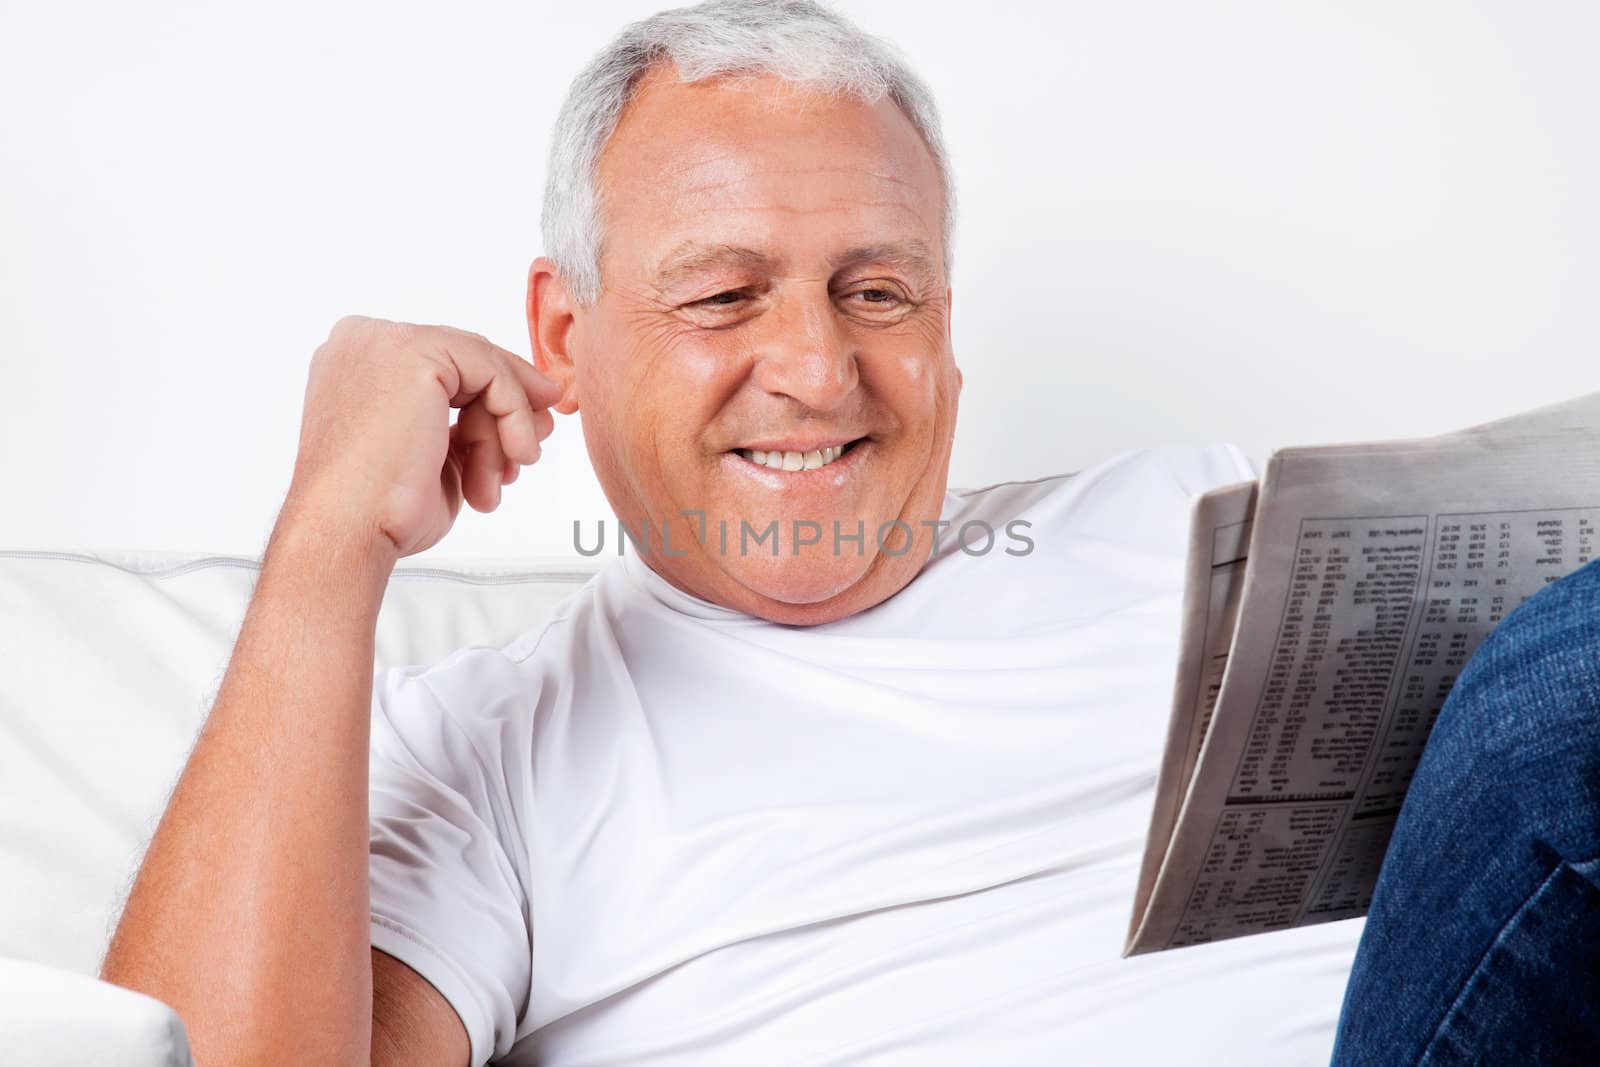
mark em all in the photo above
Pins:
pixel 108 664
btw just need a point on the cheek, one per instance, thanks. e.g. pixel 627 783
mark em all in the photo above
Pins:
pixel 670 385
pixel 915 384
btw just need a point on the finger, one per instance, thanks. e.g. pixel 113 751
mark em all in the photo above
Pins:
pixel 480 480
pixel 509 472
pixel 479 365
pixel 543 391
pixel 518 431
pixel 543 423
pixel 470 368
pixel 480 426
pixel 486 460
pixel 450 480
pixel 521 429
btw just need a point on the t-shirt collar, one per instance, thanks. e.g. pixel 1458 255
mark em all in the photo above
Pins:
pixel 643 575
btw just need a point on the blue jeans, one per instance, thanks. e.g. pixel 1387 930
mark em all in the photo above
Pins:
pixel 1482 945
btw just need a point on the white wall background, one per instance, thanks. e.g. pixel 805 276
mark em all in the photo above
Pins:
pixel 1252 221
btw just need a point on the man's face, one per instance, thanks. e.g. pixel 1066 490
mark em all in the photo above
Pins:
pixel 773 282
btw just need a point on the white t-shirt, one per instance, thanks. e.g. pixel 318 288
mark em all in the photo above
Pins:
pixel 659 831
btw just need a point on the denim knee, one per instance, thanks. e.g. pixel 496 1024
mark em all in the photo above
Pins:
pixel 1521 727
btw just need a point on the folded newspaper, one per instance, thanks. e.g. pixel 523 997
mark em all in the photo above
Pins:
pixel 1326 614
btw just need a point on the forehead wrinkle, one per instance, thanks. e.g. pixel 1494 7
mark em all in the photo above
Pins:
pixel 714 182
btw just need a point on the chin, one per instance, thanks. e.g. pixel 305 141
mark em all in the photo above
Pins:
pixel 801 580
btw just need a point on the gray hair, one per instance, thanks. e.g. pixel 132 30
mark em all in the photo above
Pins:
pixel 798 40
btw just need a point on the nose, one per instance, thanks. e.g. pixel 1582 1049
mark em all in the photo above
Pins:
pixel 805 352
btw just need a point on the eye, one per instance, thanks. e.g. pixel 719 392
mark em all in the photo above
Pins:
pixel 726 298
pixel 877 299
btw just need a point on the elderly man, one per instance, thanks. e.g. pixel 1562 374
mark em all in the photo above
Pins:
pixel 837 766
pixel 748 797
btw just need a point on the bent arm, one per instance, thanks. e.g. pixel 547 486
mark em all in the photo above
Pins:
pixel 250 912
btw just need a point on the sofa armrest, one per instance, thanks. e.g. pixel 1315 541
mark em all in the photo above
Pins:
pixel 50 1018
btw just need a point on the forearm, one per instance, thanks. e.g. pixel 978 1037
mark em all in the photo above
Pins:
pixel 250 912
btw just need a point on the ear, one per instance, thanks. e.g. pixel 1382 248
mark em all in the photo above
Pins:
pixel 550 328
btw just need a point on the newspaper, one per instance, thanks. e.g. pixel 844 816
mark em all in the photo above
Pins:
pixel 1327 612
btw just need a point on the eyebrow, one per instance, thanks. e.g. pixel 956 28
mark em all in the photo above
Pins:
pixel 911 255
pixel 691 257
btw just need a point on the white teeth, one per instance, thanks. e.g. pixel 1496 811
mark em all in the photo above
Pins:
pixel 793 461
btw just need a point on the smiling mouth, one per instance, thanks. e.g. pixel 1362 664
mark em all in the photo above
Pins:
pixel 796 461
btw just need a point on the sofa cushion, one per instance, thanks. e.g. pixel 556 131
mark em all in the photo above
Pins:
pixel 55 1018
pixel 110 662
